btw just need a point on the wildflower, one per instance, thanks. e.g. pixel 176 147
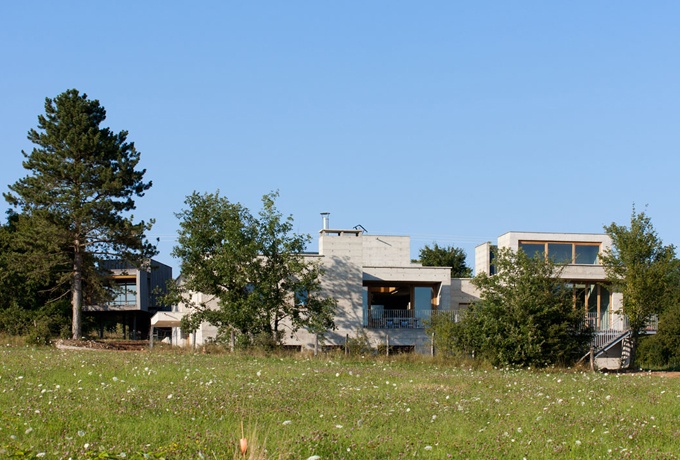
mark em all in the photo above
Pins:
pixel 338 426
pixel 578 443
pixel 428 447
pixel 170 396
pixel 314 457
pixel 287 422
pixel 81 433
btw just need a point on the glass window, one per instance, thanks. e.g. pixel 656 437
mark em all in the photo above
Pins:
pixel 592 298
pixel 125 293
pixel 422 297
pixel 586 254
pixel 533 249
pixel 301 298
pixel 580 295
pixel 560 253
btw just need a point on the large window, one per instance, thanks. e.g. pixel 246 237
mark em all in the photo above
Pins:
pixel 563 253
pixel 595 300
pixel 125 292
pixel 398 305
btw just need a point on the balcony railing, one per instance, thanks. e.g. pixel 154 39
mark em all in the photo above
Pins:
pixel 402 319
pixel 616 322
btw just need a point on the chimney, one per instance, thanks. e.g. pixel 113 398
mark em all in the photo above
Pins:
pixel 325 220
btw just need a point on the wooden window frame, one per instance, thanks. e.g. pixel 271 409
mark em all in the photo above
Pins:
pixel 573 248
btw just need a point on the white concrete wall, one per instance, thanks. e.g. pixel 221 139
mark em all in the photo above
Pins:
pixel 463 293
pixel 387 251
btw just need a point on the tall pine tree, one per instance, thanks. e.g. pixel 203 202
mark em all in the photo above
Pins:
pixel 79 194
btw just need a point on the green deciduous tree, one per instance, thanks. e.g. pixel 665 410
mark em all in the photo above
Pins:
pixel 449 256
pixel 78 196
pixel 252 265
pixel 643 269
pixel 526 316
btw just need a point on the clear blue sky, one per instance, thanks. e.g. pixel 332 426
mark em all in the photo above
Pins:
pixel 447 121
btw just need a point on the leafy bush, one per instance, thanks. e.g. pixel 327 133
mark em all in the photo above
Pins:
pixel 662 350
pixel 40 333
pixel 359 344
pixel 526 317
pixel 15 320
pixel 651 353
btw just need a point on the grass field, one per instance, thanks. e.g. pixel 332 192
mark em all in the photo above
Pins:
pixel 165 404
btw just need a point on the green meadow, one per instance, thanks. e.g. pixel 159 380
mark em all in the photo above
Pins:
pixel 169 404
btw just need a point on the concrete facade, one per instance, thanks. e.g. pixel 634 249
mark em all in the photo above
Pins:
pixel 356 264
pixel 382 296
pixel 602 306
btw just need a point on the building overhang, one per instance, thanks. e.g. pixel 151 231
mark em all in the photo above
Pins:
pixel 167 319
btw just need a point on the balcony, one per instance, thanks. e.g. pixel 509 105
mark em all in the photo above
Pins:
pixel 402 319
pixel 615 322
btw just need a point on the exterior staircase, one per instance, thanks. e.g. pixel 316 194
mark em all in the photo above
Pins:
pixel 606 339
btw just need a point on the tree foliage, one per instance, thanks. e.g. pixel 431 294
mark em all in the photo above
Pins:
pixel 27 303
pixel 446 256
pixel 252 265
pixel 526 316
pixel 78 196
pixel 643 269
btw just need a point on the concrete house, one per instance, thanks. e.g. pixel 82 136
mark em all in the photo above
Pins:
pixel 383 297
pixel 584 273
pixel 378 290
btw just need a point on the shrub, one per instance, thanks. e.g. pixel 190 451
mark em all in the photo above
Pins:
pixel 526 316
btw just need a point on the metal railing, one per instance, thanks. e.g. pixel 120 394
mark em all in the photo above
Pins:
pixel 616 322
pixel 611 328
pixel 402 319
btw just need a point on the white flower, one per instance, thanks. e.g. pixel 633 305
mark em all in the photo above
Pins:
pixel 81 433
pixel 28 430
pixel 314 457
pixel 40 454
pixel 259 373
pixel 578 443
pixel 337 374
pixel 287 422
pixel 170 396
pixel 86 445
pixel 338 426
pixel 428 447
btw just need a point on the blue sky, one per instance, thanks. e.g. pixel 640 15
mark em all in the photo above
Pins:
pixel 447 121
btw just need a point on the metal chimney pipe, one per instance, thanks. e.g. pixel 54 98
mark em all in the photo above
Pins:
pixel 325 220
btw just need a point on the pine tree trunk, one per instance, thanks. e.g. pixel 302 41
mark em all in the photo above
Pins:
pixel 77 292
